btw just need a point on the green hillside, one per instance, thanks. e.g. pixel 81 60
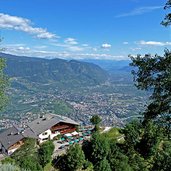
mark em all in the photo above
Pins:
pixel 65 73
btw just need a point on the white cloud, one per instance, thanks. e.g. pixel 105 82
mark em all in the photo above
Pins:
pixel 75 48
pixel 23 48
pixel 26 51
pixel 106 46
pixel 71 41
pixel 140 11
pixel 25 25
pixel 71 44
pixel 95 49
pixel 60 45
pixel 153 43
pixel 69 47
pixel 125 43
pixel 14 45
pixel 40 47
pixel 135 49
pixel 85 45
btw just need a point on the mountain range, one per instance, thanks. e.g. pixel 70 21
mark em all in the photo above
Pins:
pixel 111 66
pixel 66 72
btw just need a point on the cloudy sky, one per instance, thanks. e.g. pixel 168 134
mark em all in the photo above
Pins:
pixel 95 29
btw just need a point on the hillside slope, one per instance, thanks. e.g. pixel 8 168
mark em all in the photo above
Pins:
pixel 54 70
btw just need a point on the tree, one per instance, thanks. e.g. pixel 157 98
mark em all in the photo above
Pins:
pixel 137 162
pixel 3 83
pixel 10 167
pixel 117 160
pixel 132 132
pixel 167 19
pixel 151 138
pixel 100 147
pixel 75 158
pixel 26 156
pixel 28 149
pixel 8 160
pixel 103 165
pixel 88 166
pixel 154 73
pixel 45 153
pixel 87 148
pixel 30 163
pixel 162 161
pixel 95 120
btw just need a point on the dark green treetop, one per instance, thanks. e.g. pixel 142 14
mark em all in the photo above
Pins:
pixel 3 82
pixel 167 20
pixel 95 120
pixel 154 73
pixel 45 152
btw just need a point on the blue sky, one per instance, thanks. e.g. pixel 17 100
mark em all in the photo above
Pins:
pixel 95 29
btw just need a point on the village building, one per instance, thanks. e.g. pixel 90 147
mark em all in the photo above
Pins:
pixel 44 128
pixel 50 125
pixel 10 140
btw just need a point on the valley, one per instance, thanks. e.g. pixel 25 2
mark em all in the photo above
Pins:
pixel 116 100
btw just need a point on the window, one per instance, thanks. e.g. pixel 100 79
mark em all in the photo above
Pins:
pixel 45 133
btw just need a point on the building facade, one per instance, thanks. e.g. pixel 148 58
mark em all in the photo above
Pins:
pixel 44 128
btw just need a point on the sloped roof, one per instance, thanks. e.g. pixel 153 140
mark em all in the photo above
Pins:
pixel 10 136
pixel 47 121
pixel 28 133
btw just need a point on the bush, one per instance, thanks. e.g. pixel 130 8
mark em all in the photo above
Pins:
pixel 45 153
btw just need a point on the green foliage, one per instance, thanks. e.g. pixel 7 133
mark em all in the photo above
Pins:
pixel 162 160
pixel 45 153
pixel 95 120
pixel 118 161
pixel 30 163
pixel 28 149
pixel 132 133
pixel 100 147
pixel 103 165
pixel 62 108
pixel 58 137
pixel 137 162
pixel 9 167
pixel 150 140
pixel 64 73
pixel 8 160
pixel 3 84
pixel 154 74
pixel 26 156
pixel 113 133
pixel 87 148
pixel 88 166
pixel 167 20
pixel 74 159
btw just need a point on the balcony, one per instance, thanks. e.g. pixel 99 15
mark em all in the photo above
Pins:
pixel 65 131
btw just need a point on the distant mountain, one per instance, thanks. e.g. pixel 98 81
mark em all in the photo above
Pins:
pixel 111 65
pixel 65 72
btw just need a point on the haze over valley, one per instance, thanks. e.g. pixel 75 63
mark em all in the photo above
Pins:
pixel 72 88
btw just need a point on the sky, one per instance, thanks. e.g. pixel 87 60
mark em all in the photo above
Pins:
pixel 83 29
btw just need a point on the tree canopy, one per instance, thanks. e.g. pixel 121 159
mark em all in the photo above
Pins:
pixel 167 20
pixel 74 159
pixel 154 73
pixel 95 120
pixel 3 83
pixel 45 153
